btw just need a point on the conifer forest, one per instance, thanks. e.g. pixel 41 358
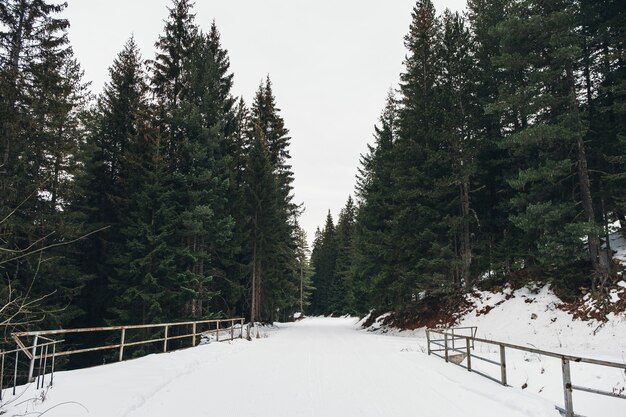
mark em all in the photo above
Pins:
pixel 500 156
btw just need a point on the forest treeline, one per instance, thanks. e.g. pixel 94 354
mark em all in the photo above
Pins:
pixel 501 155
pixel 162 198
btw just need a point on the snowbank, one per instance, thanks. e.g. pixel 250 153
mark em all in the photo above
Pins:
pixel 532 317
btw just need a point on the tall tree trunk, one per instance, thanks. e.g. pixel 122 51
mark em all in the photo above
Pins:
pixel 466 248
pixel 253 295
pixel 600 269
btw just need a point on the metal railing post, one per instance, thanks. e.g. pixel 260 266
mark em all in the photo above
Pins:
pixel 502 365
pixel 469 354
pixel 1 376
pixel 428 341
pixel 17 353
pixel 31 367
pixel 445 342
pixel 122 338
pixel 567 388
pixel 54 351
pixel 45 364
pixel 193 337
pixel 165 339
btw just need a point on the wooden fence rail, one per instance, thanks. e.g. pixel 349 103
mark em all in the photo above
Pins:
pixel 446 348
pixel 43 351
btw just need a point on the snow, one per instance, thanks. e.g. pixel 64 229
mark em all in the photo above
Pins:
pixel 617 241
pixel 618 244
pixel 315 367
pixel 531 317
pixel 332 367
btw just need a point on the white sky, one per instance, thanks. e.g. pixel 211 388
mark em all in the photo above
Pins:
pixel 331 62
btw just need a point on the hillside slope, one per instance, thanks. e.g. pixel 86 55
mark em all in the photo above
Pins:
pixel 535 317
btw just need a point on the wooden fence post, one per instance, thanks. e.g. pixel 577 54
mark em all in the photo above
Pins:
pixel 502 365
pixel 428 340
pixel 469 354
pixel 232 329
pixel 445 342
pixel 193 340
pixel 567 388
pixel 122 338
pixel 165 339
pixel 453 347
pixel 241 334
pixel 217 332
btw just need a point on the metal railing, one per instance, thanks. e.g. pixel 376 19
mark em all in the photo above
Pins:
pixel 447 349
pixel 43 350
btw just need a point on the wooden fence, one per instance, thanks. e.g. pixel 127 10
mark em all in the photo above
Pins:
pixel 447 348
pixel 41 350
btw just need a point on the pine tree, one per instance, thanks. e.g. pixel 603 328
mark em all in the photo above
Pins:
pixel 457 133
pixel 496 237
pixel 276 272
pixel 41 98
pixel 323 262
pixel 420 173
pixel 547 134
pixel 373 267
pixel 344 297
pixel 174 49
pixel 261 192
pixel 202 178
pixel 120 113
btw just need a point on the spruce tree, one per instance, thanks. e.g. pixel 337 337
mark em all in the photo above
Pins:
pixel 323 262
pixel 373 267
pixel 41 99
pixel 423 253
pixel 276 271
pixel 344 297
pixel 547 135
pixel 119 114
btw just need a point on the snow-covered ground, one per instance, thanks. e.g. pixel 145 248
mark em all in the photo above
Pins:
pixel 532 318
pixel 316 367
pixel 332 367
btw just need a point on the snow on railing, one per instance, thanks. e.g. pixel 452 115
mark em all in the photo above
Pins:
pixel 447 349
pixel 42 356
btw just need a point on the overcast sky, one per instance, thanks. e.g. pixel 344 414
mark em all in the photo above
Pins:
pixel 331 62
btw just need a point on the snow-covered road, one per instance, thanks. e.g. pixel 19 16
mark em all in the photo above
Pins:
pixel 318 367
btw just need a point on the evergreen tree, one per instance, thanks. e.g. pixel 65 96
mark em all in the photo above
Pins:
pixel 120 112
pixel 547 134
pixel 495 242
pixel 422 251
pixel 457 133
pixel 274 262
pixel 41 98
pixel 323 262
pixel 344 297
pixel 372 267
pixel 174 49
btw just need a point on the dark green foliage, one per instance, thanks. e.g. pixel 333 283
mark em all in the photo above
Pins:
pixel 272 213
pixel 41 99
pixel 167 183
pixel 324 263
pixel 502 156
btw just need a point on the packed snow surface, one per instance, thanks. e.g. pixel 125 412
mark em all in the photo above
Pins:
pixel 316 367
pixel 531 317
